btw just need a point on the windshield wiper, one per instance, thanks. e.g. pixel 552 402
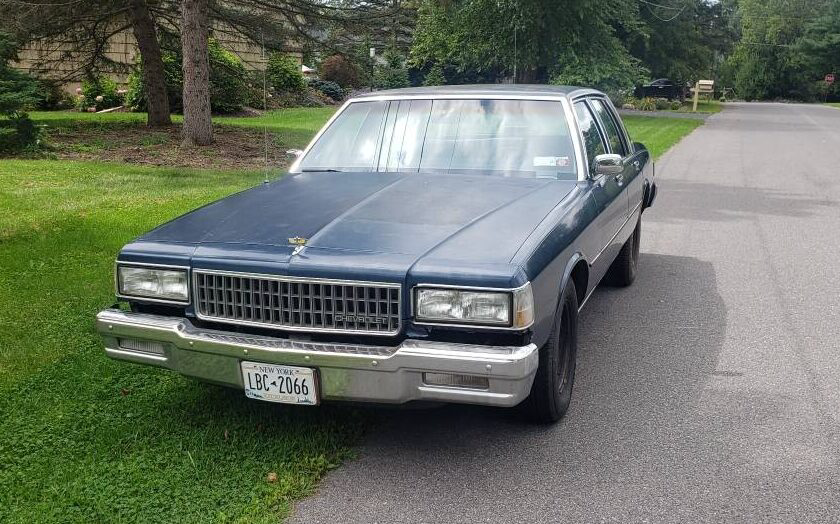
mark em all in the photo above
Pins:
pixel 323 170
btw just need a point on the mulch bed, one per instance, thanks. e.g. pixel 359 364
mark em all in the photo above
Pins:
pixel 234 148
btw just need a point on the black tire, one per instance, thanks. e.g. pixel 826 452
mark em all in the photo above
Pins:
pixel 551 392
pixel 622 272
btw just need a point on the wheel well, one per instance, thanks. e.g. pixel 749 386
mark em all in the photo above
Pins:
pixel 580 276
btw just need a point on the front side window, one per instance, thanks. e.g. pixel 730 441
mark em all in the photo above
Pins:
pixel 520 138
pixel 611 127
pixel 592 140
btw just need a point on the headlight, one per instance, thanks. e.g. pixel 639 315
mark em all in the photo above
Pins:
pixel 462 306
pixel 147 282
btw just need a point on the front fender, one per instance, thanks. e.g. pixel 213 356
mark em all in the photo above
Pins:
pixel 548 289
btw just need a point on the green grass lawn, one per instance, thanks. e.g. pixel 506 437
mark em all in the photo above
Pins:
pixel 834 104
pixel 86 439
pixel 659 134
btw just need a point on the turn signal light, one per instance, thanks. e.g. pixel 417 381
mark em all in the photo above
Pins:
pixel 142 346
pixel 456 381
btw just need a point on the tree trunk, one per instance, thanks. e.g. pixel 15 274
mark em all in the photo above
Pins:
pixel 154 81
pixel 198 128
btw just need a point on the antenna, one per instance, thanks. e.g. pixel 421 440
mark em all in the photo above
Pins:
pixel 515 50
pixel 265 106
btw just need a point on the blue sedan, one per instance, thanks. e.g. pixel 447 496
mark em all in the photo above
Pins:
pixel 431 244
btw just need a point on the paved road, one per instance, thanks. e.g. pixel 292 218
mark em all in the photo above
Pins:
pixel 708 391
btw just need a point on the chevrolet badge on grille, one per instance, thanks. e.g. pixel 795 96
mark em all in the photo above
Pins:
pixel 299 243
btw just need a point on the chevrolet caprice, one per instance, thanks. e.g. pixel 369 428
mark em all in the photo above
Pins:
pixel 430 244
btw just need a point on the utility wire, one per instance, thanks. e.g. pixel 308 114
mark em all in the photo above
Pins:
pixel 649 8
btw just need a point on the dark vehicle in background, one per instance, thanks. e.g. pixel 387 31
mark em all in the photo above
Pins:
pixel 430 244
pixel 662 88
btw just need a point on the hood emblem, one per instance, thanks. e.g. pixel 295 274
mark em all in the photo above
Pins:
pixel 299 243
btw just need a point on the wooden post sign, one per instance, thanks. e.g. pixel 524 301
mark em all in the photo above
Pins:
pixel 702 86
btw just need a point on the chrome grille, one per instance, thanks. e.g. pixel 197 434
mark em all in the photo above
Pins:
pixel 298 304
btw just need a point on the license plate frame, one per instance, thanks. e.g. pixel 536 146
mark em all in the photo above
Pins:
pixel 276 383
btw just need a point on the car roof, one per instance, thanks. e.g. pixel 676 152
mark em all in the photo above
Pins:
pixel 484 90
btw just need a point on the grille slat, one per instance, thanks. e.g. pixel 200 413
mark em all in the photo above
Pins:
pixel 298 304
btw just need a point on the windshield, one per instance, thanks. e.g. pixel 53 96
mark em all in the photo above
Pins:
pixel 524 138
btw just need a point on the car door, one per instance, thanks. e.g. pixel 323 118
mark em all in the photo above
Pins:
pixel 606 189
pixel 619 144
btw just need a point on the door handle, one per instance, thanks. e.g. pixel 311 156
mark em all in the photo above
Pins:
pixel 637 165
pixel 619 178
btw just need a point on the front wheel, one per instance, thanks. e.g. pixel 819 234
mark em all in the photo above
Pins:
pixel 551 392
pixel 622 272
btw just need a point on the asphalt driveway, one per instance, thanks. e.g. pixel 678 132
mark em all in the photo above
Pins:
pixel 708 391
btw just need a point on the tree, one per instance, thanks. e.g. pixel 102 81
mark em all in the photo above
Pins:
pixel 527 40
pixel 18 91
pixel 195 30
pixel 154 79
pixel 683 41
pixel 819 48
pixel 80 31
pixel 767 61
pixel 435 76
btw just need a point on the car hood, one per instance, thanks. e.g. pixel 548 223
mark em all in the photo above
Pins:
pixel 447 217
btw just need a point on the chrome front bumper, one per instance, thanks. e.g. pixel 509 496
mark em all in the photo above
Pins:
pixel 383 374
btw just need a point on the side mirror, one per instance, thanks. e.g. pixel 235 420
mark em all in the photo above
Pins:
pixel 608 165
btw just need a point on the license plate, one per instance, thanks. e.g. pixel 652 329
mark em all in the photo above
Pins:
pixel 284 384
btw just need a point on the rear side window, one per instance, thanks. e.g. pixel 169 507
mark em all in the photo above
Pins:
pixel 611 127
pixel 591 137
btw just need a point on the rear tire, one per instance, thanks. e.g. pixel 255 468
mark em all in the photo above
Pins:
pixel 551 392
pixel 622 272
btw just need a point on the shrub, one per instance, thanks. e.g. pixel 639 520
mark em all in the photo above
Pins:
pixel 135 96
pixel 51 96
pixel 331 89
pixel 618 97
pixel 338 69
pixel 228 79
pixel 99 92
pixel 676 105
pixel 435 76
pixel 18 92
pixel 662 104
pixel 393 74
pixel 18 134
pixel 228 82
pixel 307 98
pixel 722 98
pixel 646 104
pixel 283 73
